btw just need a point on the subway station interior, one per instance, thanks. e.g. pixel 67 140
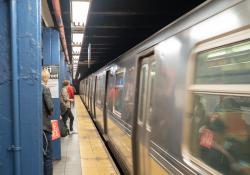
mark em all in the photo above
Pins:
pixel 124 87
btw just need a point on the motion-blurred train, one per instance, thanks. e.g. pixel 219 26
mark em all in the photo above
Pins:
pixel 179 102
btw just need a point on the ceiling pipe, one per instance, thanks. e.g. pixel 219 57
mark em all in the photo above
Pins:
pixel 58 15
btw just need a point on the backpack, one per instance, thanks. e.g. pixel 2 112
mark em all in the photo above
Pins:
pixel 64 131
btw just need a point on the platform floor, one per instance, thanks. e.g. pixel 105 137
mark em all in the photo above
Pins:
pixel 83 152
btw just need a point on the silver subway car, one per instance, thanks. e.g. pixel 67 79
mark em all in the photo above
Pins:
pixel 179 102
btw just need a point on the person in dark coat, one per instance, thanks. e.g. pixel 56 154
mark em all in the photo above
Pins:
pixel 48 108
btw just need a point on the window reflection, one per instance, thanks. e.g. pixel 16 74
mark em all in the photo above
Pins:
pixel 118 92
pixel 142 92
pixel 220 134
pixel 151 90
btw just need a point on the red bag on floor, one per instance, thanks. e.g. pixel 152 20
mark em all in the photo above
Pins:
pixel 55 130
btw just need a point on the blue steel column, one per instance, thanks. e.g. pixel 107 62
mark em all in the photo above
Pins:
pixel 62 68
pixel 20 88
pixel 51 55
pixel 6 115
pixel 15 95
pixel 30 93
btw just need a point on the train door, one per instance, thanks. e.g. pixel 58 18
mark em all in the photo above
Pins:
pixel 92 97
pixel 89 81
pixel 146 79
pixel 105 101
pixel 87 95
pixel 85 92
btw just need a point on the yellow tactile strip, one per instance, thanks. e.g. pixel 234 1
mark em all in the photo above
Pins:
pixel 95 159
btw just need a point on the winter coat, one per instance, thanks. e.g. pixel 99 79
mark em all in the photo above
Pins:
pixel 64 100
pixel 48 108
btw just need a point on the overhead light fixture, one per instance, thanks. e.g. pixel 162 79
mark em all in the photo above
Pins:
pixel 76 57
pixel 77 38
pixel 76 49
pixel 79 12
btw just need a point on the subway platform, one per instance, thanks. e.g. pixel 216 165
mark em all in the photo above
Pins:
pixel 83 152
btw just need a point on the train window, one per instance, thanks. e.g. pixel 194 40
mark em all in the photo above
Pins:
pixel 102 90
pixel 151 90
pixel 111 91
pixel 142 93
pixel 220 134
pixel 219 116
pixel 229 64
pixel 98 90
pixel 86 91
pixel 119 84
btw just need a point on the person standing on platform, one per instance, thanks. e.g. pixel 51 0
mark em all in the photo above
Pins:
pixel 47 127
pixel 65 105
pixel 71 91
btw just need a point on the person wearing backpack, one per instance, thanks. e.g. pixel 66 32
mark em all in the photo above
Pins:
pixel 65 105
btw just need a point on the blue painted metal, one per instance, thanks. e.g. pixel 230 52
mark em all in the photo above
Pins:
pixel 20 38
pixel 51 56
pixel 55 47
pixel 46 46
pixel 6 159
pixel 62 69
pixel 29 53
pixel 51 46
pixel 15 93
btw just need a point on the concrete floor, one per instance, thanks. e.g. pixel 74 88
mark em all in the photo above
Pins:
pixel 70 164
pixel 83 152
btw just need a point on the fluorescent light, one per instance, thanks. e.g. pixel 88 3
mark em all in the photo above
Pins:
pixel 77 38
pixel 76 57
pixel 79 12
pixel 76 49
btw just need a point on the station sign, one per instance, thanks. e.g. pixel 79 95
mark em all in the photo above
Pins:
pixel 53 83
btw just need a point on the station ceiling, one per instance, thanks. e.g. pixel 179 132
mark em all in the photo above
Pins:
pixel 115 26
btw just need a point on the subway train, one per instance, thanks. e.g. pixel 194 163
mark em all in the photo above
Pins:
pixel 179 102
